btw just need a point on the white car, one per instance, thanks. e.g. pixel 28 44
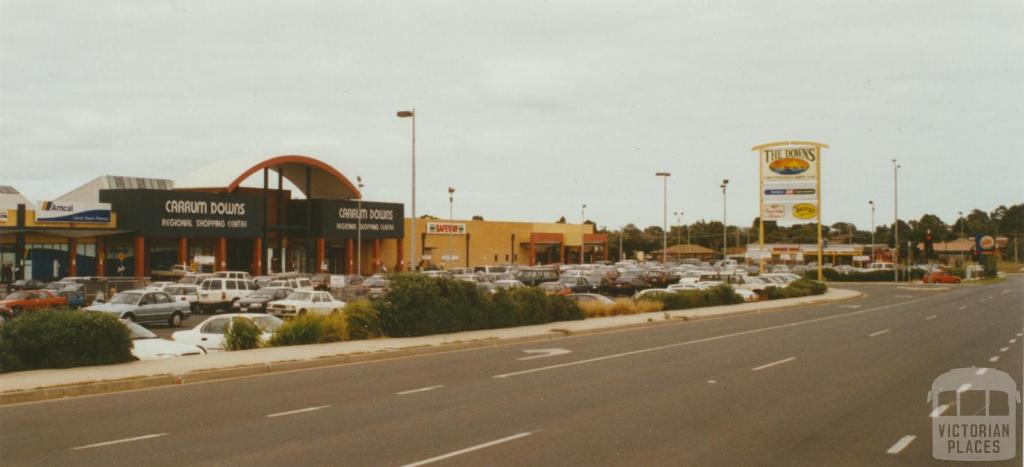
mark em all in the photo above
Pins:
pixel 160 285
pixel 233 275
pixel 301 302
pixel 687 286
pixel 209 335
pixel 184 293
pixel 650 293
pixel 147 346
pixel 300 283
pixel 508 284
pixel 748 295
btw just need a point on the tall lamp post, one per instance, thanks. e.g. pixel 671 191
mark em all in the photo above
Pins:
pixel 583 220
pixel 895 221
pixel 872 203
pixel 679 225
pixel 451 220
pixel 725 236
pixel 961 213
pixel 664 215
pixel 412 235
pixel 359 228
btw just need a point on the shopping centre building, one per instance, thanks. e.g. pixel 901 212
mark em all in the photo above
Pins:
pixel 129 226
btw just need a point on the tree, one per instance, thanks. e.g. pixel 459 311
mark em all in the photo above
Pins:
pixel 561 220
pixel 478 217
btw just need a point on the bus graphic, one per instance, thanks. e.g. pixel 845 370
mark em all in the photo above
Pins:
pixel 974 415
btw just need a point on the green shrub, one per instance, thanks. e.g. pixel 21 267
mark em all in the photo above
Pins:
pixel 63 339
pixel 335 328
pixel 304 329
pixel 832 275
pixel 799 288
pixel 685 299
pixel 242 335
pixel 362 320
pixel 413 306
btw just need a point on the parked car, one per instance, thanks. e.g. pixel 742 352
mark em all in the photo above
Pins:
pixel 294 283
pixel 30 300
pixel 507 284
pixel 376 286
pixel 185 293
pixel 209 334
pixel 257 301
pixel 624 286
pixel 220 293
pixel 590 298
pixel 650 293
pixel 74 297
pixel 940 277
pixel 536 275
pixel 233 275
pixel 28 284
pixel 144 306
pixel 147 346
pixel 582 284
pixel 194 278
pixel 160 285
pixel 555 288
pixel 300 302
pixel 747 294
pixel 656 278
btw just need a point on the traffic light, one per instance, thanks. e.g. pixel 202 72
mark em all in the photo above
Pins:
pixel 928 250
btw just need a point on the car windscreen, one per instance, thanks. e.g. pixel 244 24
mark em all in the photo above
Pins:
pixel 20 295
pixel 268 323
pixel 138 332
pixel 300 296
pixel 126 298
pixel 180 290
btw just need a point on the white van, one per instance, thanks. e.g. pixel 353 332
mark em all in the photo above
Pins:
pixel 218 293
pixel 234 275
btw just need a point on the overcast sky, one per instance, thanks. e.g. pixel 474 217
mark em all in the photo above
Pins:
pixel 528 109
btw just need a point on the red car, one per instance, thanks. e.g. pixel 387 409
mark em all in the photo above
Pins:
pixel 940 277
pixel 28 300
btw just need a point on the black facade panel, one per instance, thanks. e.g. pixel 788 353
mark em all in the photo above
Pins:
pixel 337 219
pixel 164 213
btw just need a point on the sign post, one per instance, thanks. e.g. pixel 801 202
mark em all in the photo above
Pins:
pixel 790 186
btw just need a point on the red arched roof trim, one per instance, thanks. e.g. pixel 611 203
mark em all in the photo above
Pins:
pixel 322 173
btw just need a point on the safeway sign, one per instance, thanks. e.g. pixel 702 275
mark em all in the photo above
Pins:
pixel 446 228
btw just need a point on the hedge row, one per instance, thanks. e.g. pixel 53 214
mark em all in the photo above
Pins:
pixel 831 275
pixel 63 339
pixel 799 288
pixel 685 299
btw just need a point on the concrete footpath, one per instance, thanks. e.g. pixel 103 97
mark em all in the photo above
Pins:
pixel 37 385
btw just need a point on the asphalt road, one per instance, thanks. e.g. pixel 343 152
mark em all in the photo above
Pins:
pixel 834 384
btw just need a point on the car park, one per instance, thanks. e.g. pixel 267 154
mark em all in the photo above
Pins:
pixel 147 346
pixel 209 334
pixel 31 300
pixel 294 283
pixel 300 302
pixel 536 275
pixel 220 293
pixel 257 301
pixel 144 306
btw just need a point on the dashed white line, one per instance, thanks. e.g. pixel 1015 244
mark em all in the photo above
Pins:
pixel 963 388
pixel 119 441
pixel 1019 334
pixel 1006 292
pixel 901 444
pixel 1004 349
pixel 1013 341
pixel 293 412
pixel 849 306
pixel 903 296
pixel 981 301
pixel 994 359
pixel 981 371
pixel 963 307
pixel 989 297
pixel 469 449
pixel 711 381
pixel 878 333
pixel 769 365
pixel 938 411
pixel 929 317
pixel 414 391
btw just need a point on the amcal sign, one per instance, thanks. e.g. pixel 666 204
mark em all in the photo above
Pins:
pixel 445 228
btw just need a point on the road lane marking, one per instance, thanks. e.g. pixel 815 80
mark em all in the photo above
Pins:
pixel 849 306
pixel 877 333
pixel 707 339
pixel 469 449
pixel 938 411
pixel 544 353
pixel 963 307
pixel 929 317
pixel 901 444
pixel 1019 334
pixel 903 296
pixel 293 412
pixel 711 381
pixel 1004 349
pixel 1006 292
pixel 119 441
pixel 981 371
pixel 414 391
pixel 769 365
pixel 989 297
pixel 994 359
pixel 963 388
pixel 1013 341
pixel 981 301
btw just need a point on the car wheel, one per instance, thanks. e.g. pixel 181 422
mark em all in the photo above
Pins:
pixel 129 317
pixel 175 320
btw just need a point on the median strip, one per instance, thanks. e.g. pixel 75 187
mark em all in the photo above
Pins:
pixel 469 449
pixel 293 412
pixel 119 441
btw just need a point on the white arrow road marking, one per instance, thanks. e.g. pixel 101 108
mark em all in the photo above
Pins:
pixel 119 441
pixel 544 353
pixel 903 296
pixel 981 371
pixel 963 307
pixel 1004 349
pixel 901 444
pixel 1013 340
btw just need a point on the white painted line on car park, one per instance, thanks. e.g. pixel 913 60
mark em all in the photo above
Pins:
pixel 705 339
pixel 901 444
pixel 963 388
pixel 878 333
pixel 939 411
pixel 994 359
pixel 414 391
pixel 1004 349
pixel 293 412
pixel 981 301
pixel 981 371
pixel 929 317
pixel 469 449
pixel 119 441
pixel 769 365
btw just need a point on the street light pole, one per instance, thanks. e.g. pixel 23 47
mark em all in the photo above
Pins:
pixel 725 235
pixel 451 220
pixel 896 221
pixel 664 215
pixel 679 227
pixel 872 203
pixel 583 221
pixel 961 213
pixel 359 228
pixel 412 235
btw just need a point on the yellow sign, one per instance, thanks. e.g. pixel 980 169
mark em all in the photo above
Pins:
pixel 805 211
